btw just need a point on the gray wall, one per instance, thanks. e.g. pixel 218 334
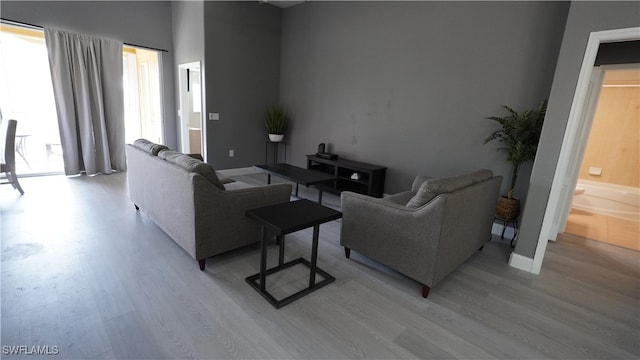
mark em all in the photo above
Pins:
pixel 146 23
pixel 242 57
pixel 188 31
pixel 189 44
pixel 407 85
pixel 584 18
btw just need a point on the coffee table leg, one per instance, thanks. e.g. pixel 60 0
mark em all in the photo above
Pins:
pixel 314 256
pixel 319 196
pixel 263 260
pixel 268 178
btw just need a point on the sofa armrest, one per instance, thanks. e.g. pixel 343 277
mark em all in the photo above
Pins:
pixel 221 222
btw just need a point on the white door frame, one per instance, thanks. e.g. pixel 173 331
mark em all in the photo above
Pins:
pixel 582 137
pixel 574 138
pixel 184 104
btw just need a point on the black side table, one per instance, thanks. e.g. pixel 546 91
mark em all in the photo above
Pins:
pixel 282 219
pixel 276 147
pixel 514 224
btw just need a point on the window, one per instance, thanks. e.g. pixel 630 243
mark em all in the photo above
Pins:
pixel 142 101
pixel 26 94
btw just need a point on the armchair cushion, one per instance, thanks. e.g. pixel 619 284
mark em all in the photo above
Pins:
pixel 444 185
pixel 193 165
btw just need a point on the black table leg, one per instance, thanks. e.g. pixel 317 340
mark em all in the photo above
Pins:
pixel 314 256
pixel 319 196
pixel 263 260
pixel 268 178
pixel 281 257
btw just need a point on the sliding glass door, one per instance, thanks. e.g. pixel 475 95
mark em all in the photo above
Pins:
pixel 26 94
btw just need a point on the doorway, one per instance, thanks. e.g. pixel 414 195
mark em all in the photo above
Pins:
pixel 606 202
pixel 190 90
pixel 564 180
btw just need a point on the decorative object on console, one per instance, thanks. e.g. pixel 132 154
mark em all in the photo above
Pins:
pixel 276 122
pixel 323 154
pixel 519 135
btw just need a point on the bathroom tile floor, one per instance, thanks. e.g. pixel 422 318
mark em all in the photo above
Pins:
pixel 604 228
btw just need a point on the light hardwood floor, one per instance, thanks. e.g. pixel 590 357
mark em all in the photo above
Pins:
pixel 609 229
pixel 83 271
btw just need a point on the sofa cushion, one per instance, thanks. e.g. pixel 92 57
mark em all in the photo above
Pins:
pixel 436 186
pixel 148 146
pixel 191 164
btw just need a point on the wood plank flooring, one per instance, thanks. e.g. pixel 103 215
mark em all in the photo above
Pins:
pixel 83 271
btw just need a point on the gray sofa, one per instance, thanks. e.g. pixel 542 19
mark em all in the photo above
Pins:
pixel 200 210
pixel 427 232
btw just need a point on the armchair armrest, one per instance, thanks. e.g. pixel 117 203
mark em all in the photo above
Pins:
pixel 418 181
pixel 400 237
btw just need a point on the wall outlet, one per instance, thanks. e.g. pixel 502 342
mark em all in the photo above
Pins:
pixel 231 153
pixel 214 116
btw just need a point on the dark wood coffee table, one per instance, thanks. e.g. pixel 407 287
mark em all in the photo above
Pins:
pixel 282 219
pixel 298 175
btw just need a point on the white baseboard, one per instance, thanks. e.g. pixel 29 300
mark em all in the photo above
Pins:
pixel 239 171
pixel 521 262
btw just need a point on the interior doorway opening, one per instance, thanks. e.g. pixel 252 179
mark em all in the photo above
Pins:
pixel 606 201
pixel 564 180
pixel 191 109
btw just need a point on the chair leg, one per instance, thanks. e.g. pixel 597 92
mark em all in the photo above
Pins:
pixel 13 179
pixel 425 291
pixel 347 252
pixel 137 207
pixel 202 263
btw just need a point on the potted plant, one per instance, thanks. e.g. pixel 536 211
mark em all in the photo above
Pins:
pixel 276 122
pixel 519 135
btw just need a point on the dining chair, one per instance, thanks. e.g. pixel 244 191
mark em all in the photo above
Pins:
pixel 8 152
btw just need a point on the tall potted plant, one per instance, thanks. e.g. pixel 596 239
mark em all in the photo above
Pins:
pixel 276 122
pixel 519 135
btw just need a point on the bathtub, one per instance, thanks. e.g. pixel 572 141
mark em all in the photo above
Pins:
pixel 609 199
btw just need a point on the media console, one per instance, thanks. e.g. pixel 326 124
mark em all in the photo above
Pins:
pixel 350 175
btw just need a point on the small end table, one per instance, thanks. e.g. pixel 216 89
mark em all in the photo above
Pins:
pixel 282 219
pixel 514 223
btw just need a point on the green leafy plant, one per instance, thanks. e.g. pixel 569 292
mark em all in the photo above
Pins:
pixel 519 136
pixel 276 119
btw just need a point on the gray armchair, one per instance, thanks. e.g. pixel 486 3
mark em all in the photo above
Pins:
pixel 424 233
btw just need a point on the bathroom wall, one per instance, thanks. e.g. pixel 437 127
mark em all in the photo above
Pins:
pixel 614 141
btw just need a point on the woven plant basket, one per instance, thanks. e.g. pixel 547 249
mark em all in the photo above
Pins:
pixel 508 209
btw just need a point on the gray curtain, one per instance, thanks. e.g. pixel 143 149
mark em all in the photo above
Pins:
pixel 87 84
